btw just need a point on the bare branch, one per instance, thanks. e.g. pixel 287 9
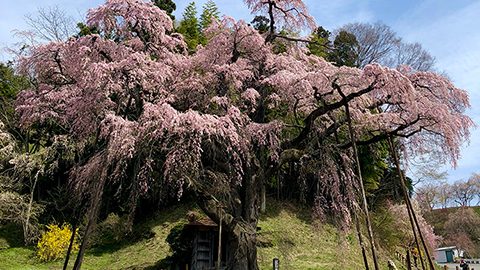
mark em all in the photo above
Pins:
pixel 51 24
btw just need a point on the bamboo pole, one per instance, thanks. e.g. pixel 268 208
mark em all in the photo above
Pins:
pixel 409 204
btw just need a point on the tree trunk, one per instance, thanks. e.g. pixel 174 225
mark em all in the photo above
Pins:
pixel 242 247
pixel 241 237
pixel 239 213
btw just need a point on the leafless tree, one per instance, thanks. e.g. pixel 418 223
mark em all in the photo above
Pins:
pixel 463 192
pixel 410 54
pixel 444 195
pixel 51 24
pixel 475 180
pixel 427 196
pixel 427 171
pixel 378 43
pixel 375 41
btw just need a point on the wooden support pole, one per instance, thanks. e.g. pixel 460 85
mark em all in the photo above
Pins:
pixel 409 205
pixel 362 188
pixel 70 245
pixel 92 218
pixel 405 197
pixel 360 241
pixel 409 263
pixel 219 255
pixel 356 217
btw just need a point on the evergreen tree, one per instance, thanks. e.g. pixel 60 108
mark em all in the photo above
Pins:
pixel 167 5
pixel 84 30
pixel 10 85
pixel 344 49
pixel 210 10
pixel 261 24
pixel 320 45
pixel 189 27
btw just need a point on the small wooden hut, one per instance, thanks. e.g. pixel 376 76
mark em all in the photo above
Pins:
pixel 205 244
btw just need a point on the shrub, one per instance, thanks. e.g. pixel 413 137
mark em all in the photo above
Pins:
pixel 54 242
pixel 110 231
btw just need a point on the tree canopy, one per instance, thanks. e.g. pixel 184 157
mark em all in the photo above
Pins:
pixel 140 111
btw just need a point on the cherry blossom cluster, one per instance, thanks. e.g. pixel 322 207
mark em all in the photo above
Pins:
pixel 133 91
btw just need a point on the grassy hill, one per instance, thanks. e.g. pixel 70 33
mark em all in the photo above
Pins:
pixel 286 232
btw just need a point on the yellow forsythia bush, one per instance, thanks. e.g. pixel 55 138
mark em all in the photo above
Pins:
pixel 54 242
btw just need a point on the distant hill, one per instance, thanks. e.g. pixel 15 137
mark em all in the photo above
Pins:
pixel 438 217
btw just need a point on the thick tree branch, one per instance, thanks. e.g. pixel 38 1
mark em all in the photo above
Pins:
pixel 310 120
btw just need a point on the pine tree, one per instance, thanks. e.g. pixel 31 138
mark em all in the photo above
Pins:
pixel 210 10
pixel 260 23
pixel 320 45
pixel 189 27
pixel 345 49
pixel 167 5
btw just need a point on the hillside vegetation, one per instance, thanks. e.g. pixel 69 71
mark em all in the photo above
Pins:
pixel 458 226
pixel 286 232
pixel 438 217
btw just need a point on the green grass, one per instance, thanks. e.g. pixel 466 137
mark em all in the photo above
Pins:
pixel 124 255
pixel 301 245
pixel 286 233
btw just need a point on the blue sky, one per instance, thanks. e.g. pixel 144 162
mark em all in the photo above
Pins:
pixel 449 30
